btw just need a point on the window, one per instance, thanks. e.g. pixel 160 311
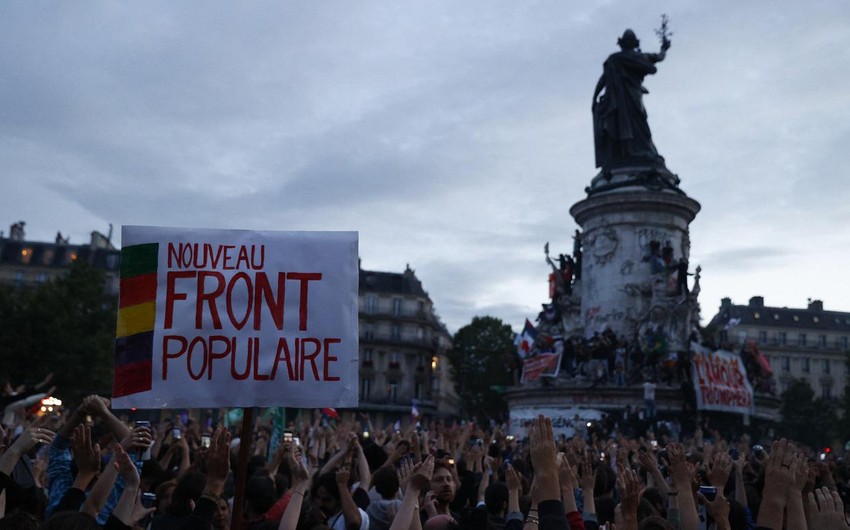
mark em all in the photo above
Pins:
pixel 112 262
pixel 844 342
pixel 417 390
pixel 365 388
pixel 827 368
pixel 395 358
pixel 19 278
pixel 113 285
pixel 762 337
pixel 396 332
pixel 371 303
pixel 420 333
pixel 41 277
pixel 367 354
pixel 369 332
pixel 822 341
pixel 826 392
pixel 783 339
pixel 804 365
pixel 392 390
pixel 397 306
pixel 801 339
pixel 786 364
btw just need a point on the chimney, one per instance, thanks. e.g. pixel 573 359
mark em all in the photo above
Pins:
pixel 816 305
pixel 725 303
pixel 757 301
pixel 16 231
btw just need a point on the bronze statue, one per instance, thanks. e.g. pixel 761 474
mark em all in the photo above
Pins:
pixel 621 131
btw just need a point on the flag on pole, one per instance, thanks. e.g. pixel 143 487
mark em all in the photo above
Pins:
pixel 331 413
pixel 525 341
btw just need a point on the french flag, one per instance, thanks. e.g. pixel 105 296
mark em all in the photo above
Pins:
pixel 525 342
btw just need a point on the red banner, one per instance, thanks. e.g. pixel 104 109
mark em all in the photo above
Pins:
pixel 541 365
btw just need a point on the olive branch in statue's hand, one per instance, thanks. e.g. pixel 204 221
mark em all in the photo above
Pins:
pixel 664 32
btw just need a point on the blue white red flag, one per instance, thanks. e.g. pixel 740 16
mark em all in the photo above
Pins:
pixel 525 343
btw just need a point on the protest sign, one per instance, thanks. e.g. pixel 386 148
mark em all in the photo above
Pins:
pixel 720 381
pixel 540 365
pixel 233 318
pixel 566 421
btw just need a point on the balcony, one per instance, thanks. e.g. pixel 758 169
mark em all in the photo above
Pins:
pixel 404 314
pixel 400 340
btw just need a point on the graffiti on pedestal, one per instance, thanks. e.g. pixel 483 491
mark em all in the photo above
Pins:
pixel 603 245
pixel 645 236
pixel 595 318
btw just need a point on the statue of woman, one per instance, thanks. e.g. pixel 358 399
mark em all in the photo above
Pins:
pixel 621 130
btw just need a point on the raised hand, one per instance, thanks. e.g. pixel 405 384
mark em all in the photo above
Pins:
pixel 300 474
pixel 405 470
pixel 566 475
pixel 826 510
pixel 125 467
pixel 218 458
pixel 512 478
pixel 542 442
pixel 718 508
pixel 342 476
pixel 588 476
pixel 139 439
pixel 421 474
pixel 629 487
pixel 86 455
pixel 721 466
pixel 781 468
pixel 647 460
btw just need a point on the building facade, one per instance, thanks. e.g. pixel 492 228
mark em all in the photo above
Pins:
pixel 27 263
pixel 403 349
pixel 801 343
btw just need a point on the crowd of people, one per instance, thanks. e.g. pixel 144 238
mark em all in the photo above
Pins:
pixel 91 467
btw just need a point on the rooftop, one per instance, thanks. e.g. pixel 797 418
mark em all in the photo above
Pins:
pixel 755 313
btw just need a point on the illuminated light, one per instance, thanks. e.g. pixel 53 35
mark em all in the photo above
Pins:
pixel 50 409
pixel 50 400
pixel 73 256
pixel 24 252
pixel 43 409
pixel 434 361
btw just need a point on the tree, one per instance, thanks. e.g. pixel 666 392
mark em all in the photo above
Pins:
pixel 66 326
pixel 806 419
pixel 481 361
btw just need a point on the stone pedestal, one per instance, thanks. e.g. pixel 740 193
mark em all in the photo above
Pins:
pixel 618 287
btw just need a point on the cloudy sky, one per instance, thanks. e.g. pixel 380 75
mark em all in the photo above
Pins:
pixel 454 136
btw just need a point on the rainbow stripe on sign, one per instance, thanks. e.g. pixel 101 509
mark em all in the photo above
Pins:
pixel 136 315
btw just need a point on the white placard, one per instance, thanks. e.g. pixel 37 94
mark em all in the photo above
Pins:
pixel 238 319
pixel 720 381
